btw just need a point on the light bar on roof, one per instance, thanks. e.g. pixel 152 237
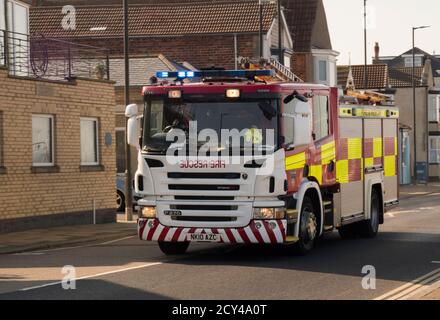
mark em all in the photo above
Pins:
pixel 248 74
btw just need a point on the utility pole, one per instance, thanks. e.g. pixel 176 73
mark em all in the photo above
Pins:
pixel 365 47
pixel 414 98
pixel 128 175
pixel 261 29
pixel 280 35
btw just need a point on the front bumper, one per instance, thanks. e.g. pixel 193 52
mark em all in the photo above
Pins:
pixel 257 232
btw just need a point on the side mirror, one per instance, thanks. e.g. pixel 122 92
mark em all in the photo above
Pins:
pixel 302 125
pixel 131 113
pixel 295 95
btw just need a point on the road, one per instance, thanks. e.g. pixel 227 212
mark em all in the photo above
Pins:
pixel 407 248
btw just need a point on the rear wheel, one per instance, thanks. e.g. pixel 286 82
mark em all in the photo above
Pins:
pixel 173 248
pixel 370 228
pixel 308 228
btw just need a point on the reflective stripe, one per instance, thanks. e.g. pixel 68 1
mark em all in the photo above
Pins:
pixel 390 166
pixel 328 152
pixel 342 171
pixel 354 148
pixel 297 161
pixel 316 172
pixel 377 148
pixel 369 162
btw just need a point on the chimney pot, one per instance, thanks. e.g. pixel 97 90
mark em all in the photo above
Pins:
pixel 376 52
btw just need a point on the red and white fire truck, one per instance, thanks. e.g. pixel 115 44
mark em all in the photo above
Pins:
pixel 333 162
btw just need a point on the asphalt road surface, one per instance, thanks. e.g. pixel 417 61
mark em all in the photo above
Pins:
pixel 407 248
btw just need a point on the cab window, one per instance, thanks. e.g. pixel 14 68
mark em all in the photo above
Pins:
pixel 321 128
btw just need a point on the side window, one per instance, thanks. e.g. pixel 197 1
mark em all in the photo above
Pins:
pixel 320 117
pixel 42 140
pixel 288 113
pixel 89 141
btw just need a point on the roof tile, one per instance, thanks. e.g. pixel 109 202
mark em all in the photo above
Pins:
pixel 155 20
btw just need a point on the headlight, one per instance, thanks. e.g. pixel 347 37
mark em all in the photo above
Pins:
pixel 269 213
pixel 148 212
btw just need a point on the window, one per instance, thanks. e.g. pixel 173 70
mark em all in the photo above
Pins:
pixel 289 110
pixel 120 150
pixel 434 107
pixel 322 70
pixel 320 117
pixel 89 141
pixel 42 140
pixel 434 149
pixel 409 61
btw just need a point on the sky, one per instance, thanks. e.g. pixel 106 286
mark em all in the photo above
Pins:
pixel 390 23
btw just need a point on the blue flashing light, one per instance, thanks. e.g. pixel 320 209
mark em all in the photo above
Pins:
pixel 163 74
pixel 248 74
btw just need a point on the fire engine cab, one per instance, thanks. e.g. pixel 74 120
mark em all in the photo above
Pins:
pixel 297 161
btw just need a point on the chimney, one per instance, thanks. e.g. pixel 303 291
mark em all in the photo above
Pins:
pixel 427 71
pixel 376 53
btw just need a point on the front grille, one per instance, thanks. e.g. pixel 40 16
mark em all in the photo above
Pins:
pixel 204 219
pixel 203 175
pixel 204 198
pixel 203 207
pixel 203 187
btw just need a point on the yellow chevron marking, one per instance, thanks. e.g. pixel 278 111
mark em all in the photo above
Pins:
pixel 297 161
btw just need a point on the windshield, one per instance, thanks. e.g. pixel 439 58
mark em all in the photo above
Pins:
pixel 254 121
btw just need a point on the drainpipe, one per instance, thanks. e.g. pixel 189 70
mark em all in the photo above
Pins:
pixel 6 35
pixel 235 51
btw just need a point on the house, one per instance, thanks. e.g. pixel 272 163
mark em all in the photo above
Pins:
pixel 314 59
pixel 405 60
pixel 397 81
pixel 205 34
pixel 57 154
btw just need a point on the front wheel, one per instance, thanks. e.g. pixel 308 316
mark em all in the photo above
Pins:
pixel 173 248
pixel 308 228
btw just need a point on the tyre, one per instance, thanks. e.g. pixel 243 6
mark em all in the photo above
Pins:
pixel 370 228
pixel 173 248
pixel 308 228
pixel 120 201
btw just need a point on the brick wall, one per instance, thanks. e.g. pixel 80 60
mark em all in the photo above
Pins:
pixel 24 194
pixel 299 65
pixel 200 51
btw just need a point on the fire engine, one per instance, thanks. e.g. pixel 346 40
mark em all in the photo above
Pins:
pixel 331 163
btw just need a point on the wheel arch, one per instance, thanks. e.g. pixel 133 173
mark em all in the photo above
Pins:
pixel 378 186
pixel 310 189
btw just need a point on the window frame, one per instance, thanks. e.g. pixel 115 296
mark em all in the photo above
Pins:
pixel 436 99
pixel 437 161
pixel 329 131
pixel 324 61
pixel 98 158
pixel 52 139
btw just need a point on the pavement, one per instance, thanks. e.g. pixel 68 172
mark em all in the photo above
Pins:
pixel 111 263
pixel 50 238
pixel 410 191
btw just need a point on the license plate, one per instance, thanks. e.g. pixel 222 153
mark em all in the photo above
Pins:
pixel 203 237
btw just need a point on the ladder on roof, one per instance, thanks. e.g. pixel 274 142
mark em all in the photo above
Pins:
pixel 283 72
